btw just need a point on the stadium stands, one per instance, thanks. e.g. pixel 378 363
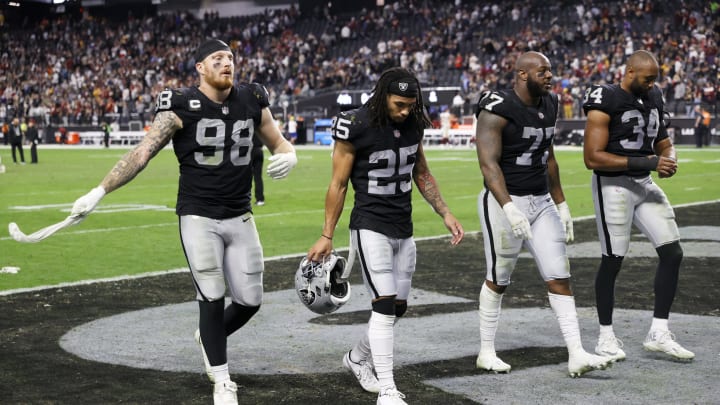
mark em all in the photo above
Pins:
pixel 84 69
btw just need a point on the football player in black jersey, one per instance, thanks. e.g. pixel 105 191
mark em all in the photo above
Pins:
pixel 625 140
pixel 523 198
pixel 378 147
pixel 211 127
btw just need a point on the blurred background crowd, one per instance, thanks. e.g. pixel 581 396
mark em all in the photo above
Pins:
pixel 85 69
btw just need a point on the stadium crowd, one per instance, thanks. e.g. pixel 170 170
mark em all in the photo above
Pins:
pixel 85 69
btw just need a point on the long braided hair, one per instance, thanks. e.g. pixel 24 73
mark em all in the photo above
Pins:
pixel 377 104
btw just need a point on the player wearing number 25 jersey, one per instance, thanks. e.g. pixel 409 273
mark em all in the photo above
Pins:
pixel 211 127
pixel 523 205
pixel 378 147
pixel 625 139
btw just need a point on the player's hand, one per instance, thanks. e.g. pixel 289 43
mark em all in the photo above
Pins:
pixel 322 248
pixel 85 204
pixel 452 224
pixel 666 167
pixel 566 220
pixel 281 164
pixel 518 221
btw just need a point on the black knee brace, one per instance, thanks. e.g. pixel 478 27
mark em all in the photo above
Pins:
pixel 385 306
pixel 400 308
pixel 237 315
pixel 672 254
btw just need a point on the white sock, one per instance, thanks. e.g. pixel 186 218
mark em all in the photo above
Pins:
pixel 380 336
pixel 489 310
pixel 659 325
pixel 606 330
pixel 361 351
pixel 221 373
pixel 564 307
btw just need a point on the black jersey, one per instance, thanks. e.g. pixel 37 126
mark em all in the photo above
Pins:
pixel 526 139
pixel 635 122
pixel 213 148
pixel 382 172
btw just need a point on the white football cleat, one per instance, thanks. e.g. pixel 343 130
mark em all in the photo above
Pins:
pixel 664 341
pixel 363 371
pixel 610 346
pixel 208 369
pixel 391 396
pixel 225 393
pixel 582 362
pixel 491 362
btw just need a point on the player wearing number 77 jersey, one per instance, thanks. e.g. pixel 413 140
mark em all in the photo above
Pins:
pixel 211 127
pixel 625 139
pixel 523 205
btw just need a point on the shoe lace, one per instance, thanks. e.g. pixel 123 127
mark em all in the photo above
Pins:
pixel 393 392
pixel 611 340
pixel 365 372
pixel 229 386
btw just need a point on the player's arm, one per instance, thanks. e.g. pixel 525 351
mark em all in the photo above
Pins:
pixel 283 157
pixel 488 144
pixel 428 187
pixel 270 135
pixel 597 134
pixel 489 150
pixel 667 164
pixel 164 126
pixel 343 157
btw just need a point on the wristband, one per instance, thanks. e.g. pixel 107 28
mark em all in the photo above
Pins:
pixel 325 236
pixel 642 163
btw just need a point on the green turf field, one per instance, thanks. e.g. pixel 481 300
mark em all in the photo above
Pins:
pixel 134 229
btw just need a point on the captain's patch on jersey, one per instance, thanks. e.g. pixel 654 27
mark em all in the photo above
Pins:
pixel 194 105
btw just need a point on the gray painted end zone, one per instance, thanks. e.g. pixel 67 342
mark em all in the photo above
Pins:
pixel 280 340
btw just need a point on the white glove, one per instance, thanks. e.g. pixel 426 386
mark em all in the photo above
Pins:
pixel 281 164
pixel 518 221
pixel 85 204
pixel 566 220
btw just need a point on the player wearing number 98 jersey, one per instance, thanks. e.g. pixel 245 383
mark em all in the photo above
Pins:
pixel 378 147
pixel 211 127
pixel 624 140
pixel 213 148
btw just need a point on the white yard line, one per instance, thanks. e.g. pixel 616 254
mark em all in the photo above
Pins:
pixel 180 270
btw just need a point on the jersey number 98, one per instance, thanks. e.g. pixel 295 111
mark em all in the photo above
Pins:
pixel 239 150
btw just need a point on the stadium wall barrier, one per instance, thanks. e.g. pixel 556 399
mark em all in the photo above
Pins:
pixel 570 132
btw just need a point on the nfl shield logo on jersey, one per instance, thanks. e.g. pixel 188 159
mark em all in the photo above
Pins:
pixel 396 133
pixel 225 110
pixel 541 115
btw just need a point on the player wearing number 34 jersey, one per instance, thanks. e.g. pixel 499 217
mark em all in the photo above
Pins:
pixel 625 139
pixel 211 127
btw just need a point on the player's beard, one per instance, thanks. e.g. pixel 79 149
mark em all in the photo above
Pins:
pixel 220 82
pixel 638 89
pixel 536 89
